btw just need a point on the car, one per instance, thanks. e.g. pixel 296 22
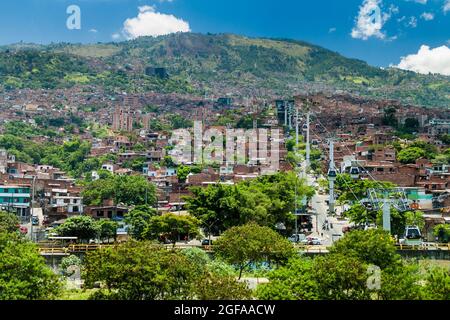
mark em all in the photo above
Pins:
pixel 207 242
pixel 312 241
pixel 297 238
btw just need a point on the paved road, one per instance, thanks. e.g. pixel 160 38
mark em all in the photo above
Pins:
pixel 320 206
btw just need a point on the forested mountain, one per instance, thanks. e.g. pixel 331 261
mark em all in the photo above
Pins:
pixel 213 64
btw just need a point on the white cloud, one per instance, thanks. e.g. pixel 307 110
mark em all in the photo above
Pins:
pixel 151 23
pixel 93 30
pixel 427 16
pixel 116 36
pixel 370 20
pixel 428 60
pixel 331 30
pixel 446 6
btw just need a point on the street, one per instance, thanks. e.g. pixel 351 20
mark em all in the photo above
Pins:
pixel 333 229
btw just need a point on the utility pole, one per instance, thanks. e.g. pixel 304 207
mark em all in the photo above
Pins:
pixel 289 115
pixel 386 214
pixel 296 128
pixel 331 177
pixel 308 146
pixel 32 211
pixel 285 114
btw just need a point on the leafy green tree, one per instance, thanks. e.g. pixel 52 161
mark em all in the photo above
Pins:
pixel 341 277
pixel 251 243
pixel 8 222
pixel 267 201
pixel 410 155
pixel 138 219
pixel 198 257
pixel 171 226
pixel 373 246
pixel 178 122
pixel 130 190
pixel 410 126
pixel 83 227
pixel 359 215
pixel 350 190
pixel 215 287
pixel 168 162
pixel 442 232
pixel 445 138
pixel 400 282
pixel 294 281
pixel 108 229
pixel 139 271
pixel 24 274
pixel 437 286
pixel 182 173
pixel 389 118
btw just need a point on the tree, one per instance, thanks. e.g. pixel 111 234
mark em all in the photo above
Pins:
pixel 268 200
pixel 437 286
pixel 168 162
pixel 139 271
pixel 411 125
pixel 182 173
pixel 410 155
pixel 199 258
pixel 138 219
pixel 401 282
pixel 108 229
pixel 373 246
pixel 130 190
pixel 359 215
pixel 251 243
pixel 8 222
pixel 294 281
pixel 82 227
pixel 215 287
pixel 389 118
pixel 171 226
pixel 24 274
pixel 442 232
pixel 341 277
pixel 328 277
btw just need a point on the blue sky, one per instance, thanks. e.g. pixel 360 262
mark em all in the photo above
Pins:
pixel 402 27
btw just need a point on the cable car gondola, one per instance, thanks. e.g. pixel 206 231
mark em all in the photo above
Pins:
pixel 412 236
pixel 332 174
pixel 354 172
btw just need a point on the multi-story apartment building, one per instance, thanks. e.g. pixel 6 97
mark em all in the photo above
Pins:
pixel 16 198
pixel 63 203
pixel 122 120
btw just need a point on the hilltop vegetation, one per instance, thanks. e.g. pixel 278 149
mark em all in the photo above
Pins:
pixel 220 64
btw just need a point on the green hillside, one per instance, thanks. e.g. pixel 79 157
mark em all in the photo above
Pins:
pixel 219 64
